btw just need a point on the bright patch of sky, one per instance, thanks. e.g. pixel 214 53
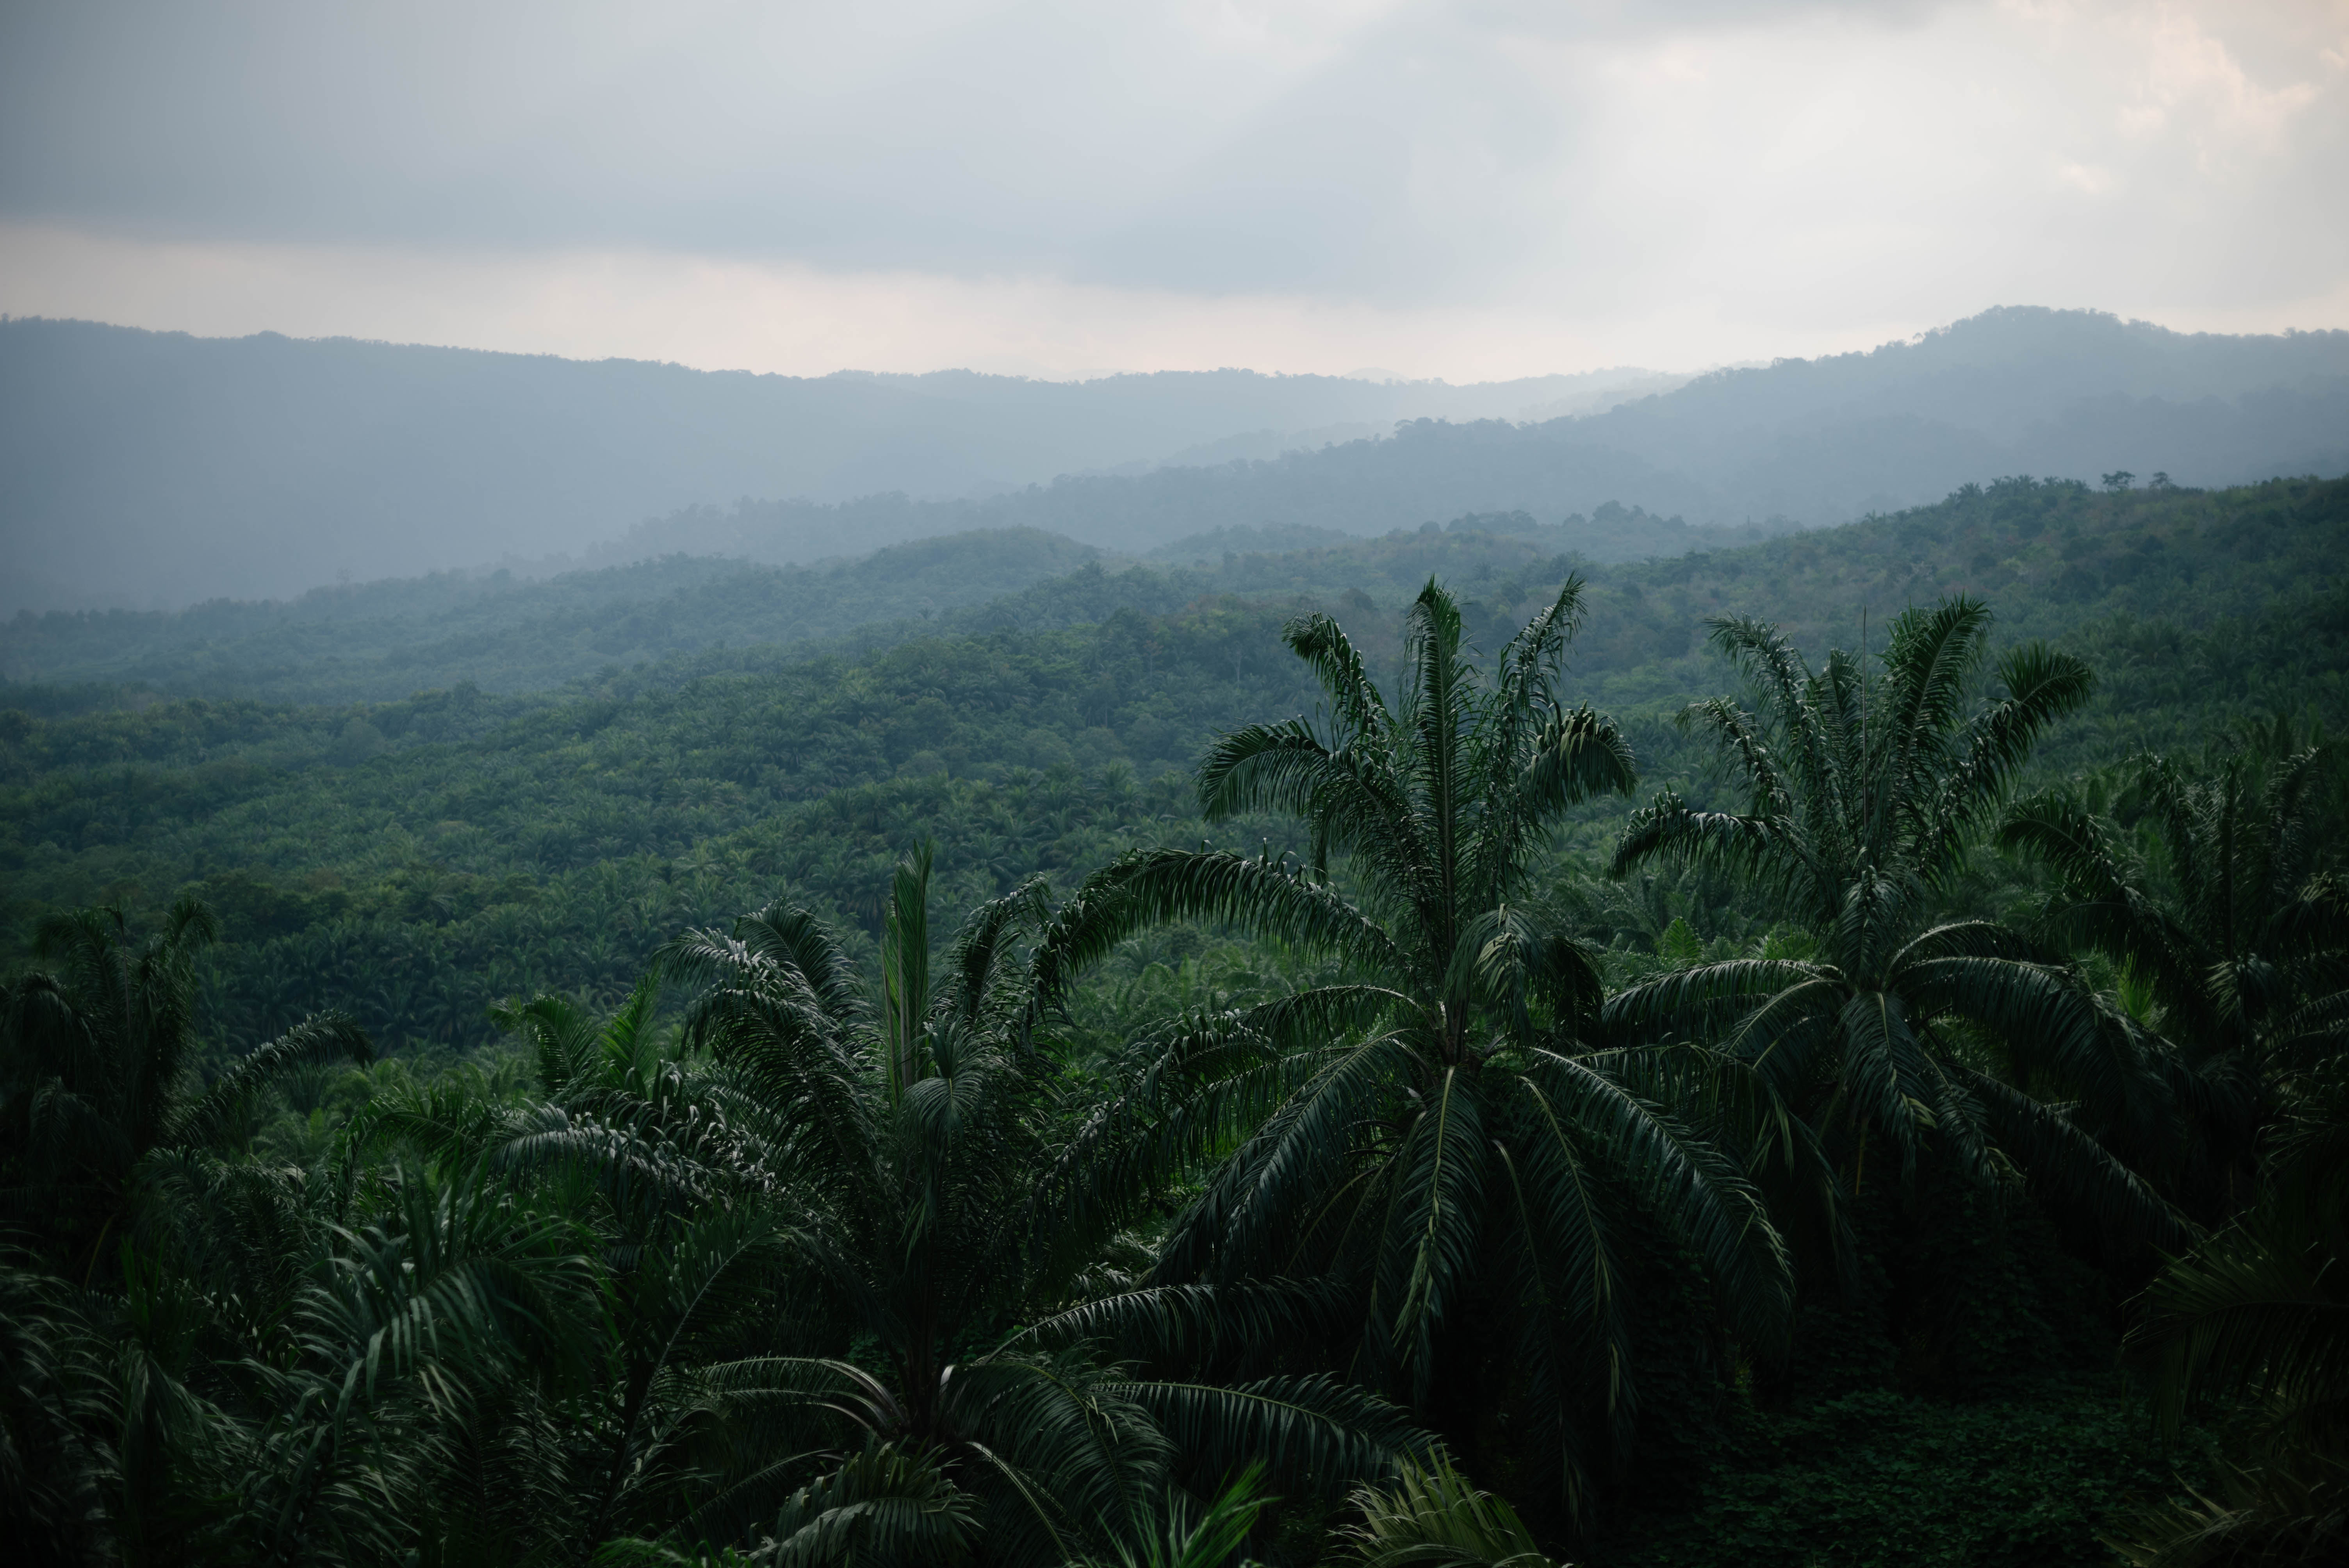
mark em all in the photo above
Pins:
pixel 1474 190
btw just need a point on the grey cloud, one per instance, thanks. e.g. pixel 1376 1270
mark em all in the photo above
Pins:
pixel 1646 18
pixel 999 141
pixel 1421 160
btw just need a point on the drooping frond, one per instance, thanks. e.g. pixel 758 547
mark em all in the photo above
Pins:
pixel 1252 1216
pixel 886 1504
pixel 1350 799
pixel 1692 1184
pixel 1354 700
pixel 2242 1311
pixel 793 939
pixel 1193 1323
pixel 2288 1511
pixel 1577 754
pixel 1176 1099
pixel 1315 1428
pixel 1434 1222
pixel 1429 1516
pixel 2072 1170
pixel 1763 851
pixel 1149 887
pixel 1708 1001
pixel 321 1038
pixel 2047 1021
pixel 446 1286
pixel 1738 734
pixel 1512 961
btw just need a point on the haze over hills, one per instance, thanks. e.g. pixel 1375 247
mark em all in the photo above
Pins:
pixel 382 641
pixel 1800 443
pixel 155 470
pixel 159 468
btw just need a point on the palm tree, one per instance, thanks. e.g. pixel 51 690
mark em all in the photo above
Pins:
pixel 274 1361
pixel 750 1281
pixel 100 1089
pixel 2243 956
pixel 1864 790
pixel 2261 1307
pixel 902 1138
pixel 1422 1159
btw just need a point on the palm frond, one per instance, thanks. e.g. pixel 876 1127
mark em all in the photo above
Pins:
pixel 1694 1185
pixel 322 1038
pixel 1430 1517
pixel 887 1504
pixel 2252 1307
pixel 1354 699
pixel 2071 1169
pixel 1192 1324
pixel 1148 887
pixel 1309 1432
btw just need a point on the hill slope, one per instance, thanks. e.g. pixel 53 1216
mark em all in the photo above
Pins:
pixel 156 469
pixel 379 642
pixel 413 860
pixel 145 467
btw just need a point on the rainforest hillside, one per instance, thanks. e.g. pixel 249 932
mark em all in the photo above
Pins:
pixel 415 858
pixel 377 640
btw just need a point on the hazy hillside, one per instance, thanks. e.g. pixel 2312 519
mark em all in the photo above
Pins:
pixel 381 641
pixel 377 641
pixel 417 832
pixel 159 468
pixel 2016 391
pixel 1801 443
pixel 1426 471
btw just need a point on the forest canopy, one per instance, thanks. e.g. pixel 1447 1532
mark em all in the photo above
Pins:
pixel 1424 1048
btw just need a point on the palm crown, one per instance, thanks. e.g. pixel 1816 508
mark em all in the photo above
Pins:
pixel 1864 790
pixel 911 1140
pixel 99 1089
pixel 2243 959
pixel 1430 1130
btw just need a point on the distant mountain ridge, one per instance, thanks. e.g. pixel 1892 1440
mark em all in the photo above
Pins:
pixel 1800 443
pixel 156 468
pixel 150 469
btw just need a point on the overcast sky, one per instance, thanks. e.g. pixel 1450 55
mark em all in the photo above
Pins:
pixel 1470 190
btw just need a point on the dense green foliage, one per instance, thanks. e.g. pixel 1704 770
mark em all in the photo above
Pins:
pixel 1432 1132
pixel 413 861
pixel 383 641
pixel 379 641
pixel 1399 1146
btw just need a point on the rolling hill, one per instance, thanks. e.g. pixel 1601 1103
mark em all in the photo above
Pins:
pixel 157 471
